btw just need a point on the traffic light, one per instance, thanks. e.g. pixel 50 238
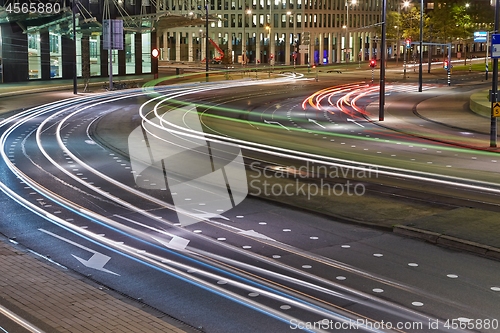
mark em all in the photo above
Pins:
pixel 155 53
pixel 373 63
pixel 408 43
pixel 445 64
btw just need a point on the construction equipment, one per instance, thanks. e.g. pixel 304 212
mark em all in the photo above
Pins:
pixel 218 59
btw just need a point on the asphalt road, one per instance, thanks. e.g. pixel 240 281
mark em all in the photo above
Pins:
pixel 256 267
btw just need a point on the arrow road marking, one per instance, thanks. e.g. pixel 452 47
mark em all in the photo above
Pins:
pixel 97 261
pixel 348 119
pixel 315 122
pixel 176 243
pixel 276 123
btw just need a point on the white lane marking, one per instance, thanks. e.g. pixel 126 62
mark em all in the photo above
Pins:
pixel 97 261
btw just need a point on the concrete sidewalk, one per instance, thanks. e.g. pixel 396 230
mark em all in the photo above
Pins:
pixel 54 299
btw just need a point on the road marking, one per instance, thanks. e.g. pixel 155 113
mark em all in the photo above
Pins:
pixel 315 122
pixel 176 243
pixel 97 261
pixel 276 123
pixel 351 120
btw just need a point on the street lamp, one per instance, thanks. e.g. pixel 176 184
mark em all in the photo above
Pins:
pixel 405 5
pixel 243 39
pixel 353 2
pixel 206 41
pixel 421 46
pixel 268 28
pixel 294 37
pixel 344 27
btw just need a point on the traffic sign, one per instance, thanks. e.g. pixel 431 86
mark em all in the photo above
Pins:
pixel 480 36
pixel 496 110
pixel 495 46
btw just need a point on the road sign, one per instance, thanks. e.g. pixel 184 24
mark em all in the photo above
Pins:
pixel 303 48
pixel 495 46
pixel 480 36
pixel 496 110
pixel 112 31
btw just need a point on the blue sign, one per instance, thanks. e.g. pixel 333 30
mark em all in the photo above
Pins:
pixel 495 46
pixel 480 36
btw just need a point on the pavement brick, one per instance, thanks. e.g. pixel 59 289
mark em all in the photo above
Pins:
pixel 63 303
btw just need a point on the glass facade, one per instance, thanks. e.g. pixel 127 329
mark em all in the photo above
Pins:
pixel 130 53
pixel 55 53
pixel 34 56
pixel 146 53
pixel 95 55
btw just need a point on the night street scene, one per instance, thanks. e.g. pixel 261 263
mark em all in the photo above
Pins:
pixel 249 166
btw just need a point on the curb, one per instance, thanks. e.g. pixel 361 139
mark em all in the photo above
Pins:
pixel 62 87
pixel 448 241
pixel 480 104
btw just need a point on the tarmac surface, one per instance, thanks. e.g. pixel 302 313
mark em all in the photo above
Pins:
pixel 54 299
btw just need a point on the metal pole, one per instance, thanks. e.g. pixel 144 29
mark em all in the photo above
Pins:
pixel 243 39
pixel 404 61
pixel 295 55
pixel 382 63
pixel 75 86
pixel 348 41
pixel 449 65
pixel 397 34
pixel 421 45
pixel 110 53
pixel 494 85
pixel 487 53
pixel 206 41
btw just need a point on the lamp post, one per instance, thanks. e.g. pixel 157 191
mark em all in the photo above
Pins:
pixel 353 2
pixel 421 45
pixel 494 83
pixel 294 37
pixel 405 5
pixel 268 28
pixel 75 83
pixel 206 41
pixel 244 37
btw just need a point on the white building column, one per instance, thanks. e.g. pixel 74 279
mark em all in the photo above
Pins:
pixel 288 43
pixel 312 47
pixel 258 41
pixel 227 37
pixel 379 49
pixel 363 45
pixel 190 46
pixel 178 46
pixel 331 57
pixel 203 48
pixel 370 43
pixel 165 53
pixel 321 47
pixel 338 47
pixel 272 46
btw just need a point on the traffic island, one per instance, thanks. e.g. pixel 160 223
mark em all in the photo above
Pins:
pixel 480 104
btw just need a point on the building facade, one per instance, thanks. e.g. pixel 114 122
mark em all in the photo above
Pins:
pixel 278 31
pixel 39 45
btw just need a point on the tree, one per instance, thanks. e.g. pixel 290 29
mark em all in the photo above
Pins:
pixel 410 22
pixel 450 21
